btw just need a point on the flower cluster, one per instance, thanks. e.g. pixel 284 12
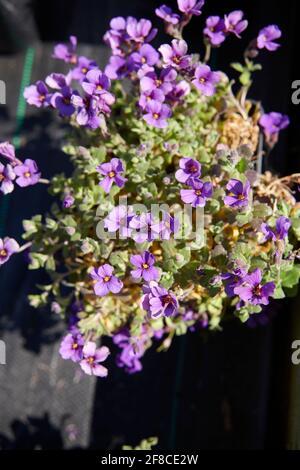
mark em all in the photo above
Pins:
pixel 167 224
pixel 22 173
pixel 217 28
pixel 87 109
pixel 189 173
pixel 74 347
pixel 141 227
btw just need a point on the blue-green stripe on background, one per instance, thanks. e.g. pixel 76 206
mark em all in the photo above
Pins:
pixel 16 140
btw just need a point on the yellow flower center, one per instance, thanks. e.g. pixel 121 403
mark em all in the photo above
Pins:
pixel 156 116
pixel 145 266
pixel 74 346
pixel 143 60
pixel 111 174
pixel 202 80
pixel 241 197
pixel 106 278
pixel 90 360
pixel 84 70
pixel 27 174
pixel 158 83
pixel 2 177
pixel 3 252
pixel 99 87
pixel 176 59
pixel 198 192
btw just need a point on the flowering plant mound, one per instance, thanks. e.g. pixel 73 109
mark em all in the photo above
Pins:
pixel 166 223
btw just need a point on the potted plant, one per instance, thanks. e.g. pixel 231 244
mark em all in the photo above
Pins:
pixel 167 223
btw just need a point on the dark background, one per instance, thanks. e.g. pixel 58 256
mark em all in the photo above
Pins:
pixel 231 390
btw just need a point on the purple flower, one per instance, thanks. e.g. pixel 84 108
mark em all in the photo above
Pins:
pixel 164 82
pixel 167 14
pixel 72 345
pixel 92 357
pixel 58 80
pixel 233 280
pixel 96 83
pixel 283 225
pixel 144 266
pixel 7 175
pixel 82 68
pixel 205 80
pixel 117 35
pixel 273 122
pixel 68 201
pixel 146 55
pixel 157 114
pixel 175 55
pixel 197 195
pixel 142 70
pixel 215 30
pixel 266 37
pixel 117 67
pixel 62 100
pixel 118 219
pixel 112 172
pixel 189 168
pixel 141 226
pixel 253 291
pixel 166 227
pixel 281 230
pixel 133 349
pixel 37 95
pixel 190 7
pixel 27 173
pixel 8 247
pixel 179 90
pixel 67 53
pixel 89 110
pixel 234 22
pixel 158 301
pixel 140 30
pixel 105 281
pixel 150 96
pixel 238 195
pixel 200 321
pixel 7 150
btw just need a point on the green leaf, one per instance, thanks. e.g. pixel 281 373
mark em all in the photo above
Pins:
pixel 237 66
pixel 296 226
pixel 50 263
pixel 278 293
pixel 291 276
pixel 99 153
pixel 38 300
pixel 37 260
pixel 242 165
pixel 245 78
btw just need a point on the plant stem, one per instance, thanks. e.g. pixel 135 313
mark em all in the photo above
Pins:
pixel 207 53
pixel 24 247
pixel 44 181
